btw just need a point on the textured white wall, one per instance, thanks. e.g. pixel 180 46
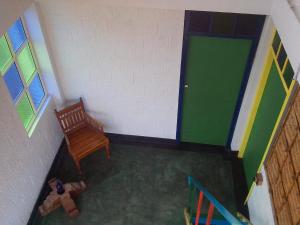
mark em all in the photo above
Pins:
pixel 34 28
pixel 25 161
pixel 10 10
pixel 259 204
pixel 295 5
pixel 125 62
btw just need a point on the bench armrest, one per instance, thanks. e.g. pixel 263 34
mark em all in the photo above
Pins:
pixel 93 123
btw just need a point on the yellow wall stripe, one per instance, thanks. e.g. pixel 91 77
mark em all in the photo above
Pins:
pixel 283 108
pixel 284 66
pixel 278 51
pixel 259 93
pixel 280 73
pixel 270 58
pixel 250 193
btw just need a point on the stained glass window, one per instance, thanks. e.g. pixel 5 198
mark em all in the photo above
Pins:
pixel 13 82
pixel 5 55
pixel 223 23
pixel 247 24
pixel 16 35
pixel 26 63
pixel 286 71
pixel 276 43
pixel 36 91
pixel 20 73
pixel 200 22
pixel 288 74
pixel 25 111
pixel 281 57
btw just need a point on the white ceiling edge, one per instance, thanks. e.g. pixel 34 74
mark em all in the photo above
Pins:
pixel 297 12
pixel 295 5
pixel 294 2
pixel 10 10
pixel 236 6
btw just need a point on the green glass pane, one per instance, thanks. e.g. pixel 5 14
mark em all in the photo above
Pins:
pixel 288 74
pixel 281 57
pixel 5 55
pixel 25 111
pixel 26 63
pixel 276 42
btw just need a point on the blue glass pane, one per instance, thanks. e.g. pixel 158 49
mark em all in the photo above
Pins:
pixel 36 91
pixel 17 35
pixel 13 82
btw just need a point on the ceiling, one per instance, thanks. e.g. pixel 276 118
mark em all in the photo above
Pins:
pixel 237 6
pixel 295 5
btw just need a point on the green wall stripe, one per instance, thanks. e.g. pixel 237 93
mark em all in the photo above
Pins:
pixel 266 117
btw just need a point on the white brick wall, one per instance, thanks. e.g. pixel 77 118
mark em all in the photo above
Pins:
pixel 125 62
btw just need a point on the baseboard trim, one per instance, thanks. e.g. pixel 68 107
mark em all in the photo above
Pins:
pixel 141 140
pixel 168 143
pixel 45 189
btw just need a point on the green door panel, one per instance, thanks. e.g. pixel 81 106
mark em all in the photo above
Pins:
pixel 214 71
pixel 266 117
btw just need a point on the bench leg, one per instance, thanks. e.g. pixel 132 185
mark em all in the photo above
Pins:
pixel 107 151
pixel 78 166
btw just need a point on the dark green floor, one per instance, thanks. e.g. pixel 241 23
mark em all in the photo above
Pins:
pixel 142 186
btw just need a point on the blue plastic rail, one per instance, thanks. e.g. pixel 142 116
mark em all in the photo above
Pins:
pixel 228 217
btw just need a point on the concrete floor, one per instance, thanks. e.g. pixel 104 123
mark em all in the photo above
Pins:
pixel 142 185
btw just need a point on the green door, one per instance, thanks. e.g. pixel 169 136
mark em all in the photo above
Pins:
pixel 214 71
